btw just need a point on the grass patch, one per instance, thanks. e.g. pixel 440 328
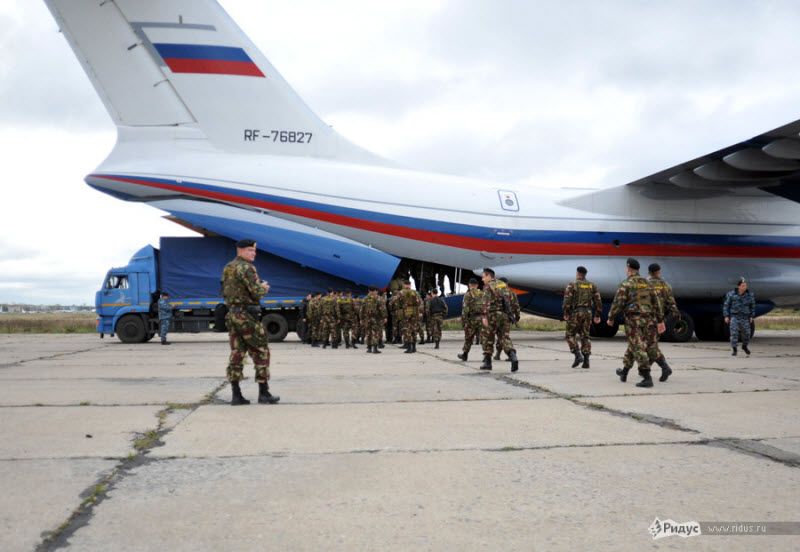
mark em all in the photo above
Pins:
pixel 146 441
pixel 527 323
pixel 98 490
pixel 48 322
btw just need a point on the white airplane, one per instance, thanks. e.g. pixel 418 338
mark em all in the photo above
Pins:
pixel 209 132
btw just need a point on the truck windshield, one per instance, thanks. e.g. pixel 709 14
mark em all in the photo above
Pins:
pixel 117 282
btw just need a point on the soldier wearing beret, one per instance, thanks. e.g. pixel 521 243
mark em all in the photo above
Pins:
pixel 644 320
pixel 581 301
pixel 243 290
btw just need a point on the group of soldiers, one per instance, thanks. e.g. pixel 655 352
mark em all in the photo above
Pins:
pixel 642 302
pixel 487 315
pixel 339 317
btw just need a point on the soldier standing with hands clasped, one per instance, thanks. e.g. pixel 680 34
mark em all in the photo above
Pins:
pixel 243 290
pixel 637 301
pixel 581 299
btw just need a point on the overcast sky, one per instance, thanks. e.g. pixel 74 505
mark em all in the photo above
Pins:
pixel 524 92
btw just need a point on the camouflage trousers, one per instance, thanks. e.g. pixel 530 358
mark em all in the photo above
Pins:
pixel 578 331
pixel 316 329
pixel 499 324
pixel 347 328
pixel 163 327
pixel 373 331
pixel 472 328
pixel 397 326
pixel 436 321
pixel 642 335
pixel 330 329
pixel 740 325
pixel 411 328
pixel 247 336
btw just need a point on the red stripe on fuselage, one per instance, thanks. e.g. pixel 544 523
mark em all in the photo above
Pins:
pixel 491 246
pixel 213 66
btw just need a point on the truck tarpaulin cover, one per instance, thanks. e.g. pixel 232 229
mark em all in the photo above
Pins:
pixel 192 267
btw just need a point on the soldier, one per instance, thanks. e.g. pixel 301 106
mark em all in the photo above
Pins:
pixel 374 312
pixel 426 319
pixel 358 324
pixel 302 319
pixel 315 317
pixel 669 306
pixel 471 314
pixel 515 315
pixel 437 310
pixel 397 318
pixel 330 320
pixel 637 301
pixel 243 290
pixel 581 299
pixel 411 309
pixel 164 317
pixel 497 316
pixel 739 311
pixel 347 319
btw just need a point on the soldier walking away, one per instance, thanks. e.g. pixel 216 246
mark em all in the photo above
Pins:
pixel 243 290
pixel 739 311
pixel 437 310
pixel 515 314
pixel 374 318
pixel 471 315
pixel 497 316
pixel 637 301
pixel 164 317
pixel 411 312
pixel 581 301
pixel 669 306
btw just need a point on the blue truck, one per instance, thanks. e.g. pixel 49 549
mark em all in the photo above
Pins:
pixel 189 269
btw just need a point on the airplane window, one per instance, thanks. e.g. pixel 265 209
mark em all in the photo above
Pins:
pixel 508 200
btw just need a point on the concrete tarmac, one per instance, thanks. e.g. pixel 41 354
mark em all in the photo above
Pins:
pixel 106 446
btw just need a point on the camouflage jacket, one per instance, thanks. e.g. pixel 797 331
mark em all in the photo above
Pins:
pixel 582 294
pixel 313 309
pixel 346 308
pixel 329 307
pixel 495 295
pixel 410 303
pixel 164 309
pixel 374 308
pixel 437 305
pixel 739 305
pixel 240 283
pixel 666 298
pixel 472 306
pixel 516 311
pixel 636 297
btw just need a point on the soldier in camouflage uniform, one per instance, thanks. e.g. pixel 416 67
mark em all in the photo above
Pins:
pixel 497 317
pixel 397 317
pixel 358 325
pixel 330 320
pixel 581 300
pixel 426 319
pixel 164 317
pixel 411 311
pixel 437 311
pixel 374 316
pixel 471 315
pixel 314 323
pixel 347 319
pixel 243 290
pixel 637 301
pixel 669 307
pixel 516 312
pixel 739 311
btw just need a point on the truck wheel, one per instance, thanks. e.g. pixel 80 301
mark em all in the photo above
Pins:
pixel 149 336
pixel 130 329
pixel 276 326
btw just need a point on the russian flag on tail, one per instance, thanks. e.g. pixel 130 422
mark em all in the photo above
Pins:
pixel 200 58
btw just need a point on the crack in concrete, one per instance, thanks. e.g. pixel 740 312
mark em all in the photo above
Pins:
pixel 51 357
pixel 757 449
pixel 99 491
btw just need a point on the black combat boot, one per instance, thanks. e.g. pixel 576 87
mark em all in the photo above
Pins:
pixel 353 344
pixel 497 355
pixel 380 344
pixel 376 350
pixel 407 347
pixel 421 341
pixel 578 358
pixel 512 356
pixel 346 342
pixel 325 345
pixel 436 344
pixel 236 395
pixel 413 346
pixel 647 381
pixel 335 346
pixel 666 371
pixel 264 396
pixel 463 356
pixel 165 342
pixel 487 362
pixel 744 348
pixel 586 360
pixel 623 374
pixel 315 343
pixel 734 352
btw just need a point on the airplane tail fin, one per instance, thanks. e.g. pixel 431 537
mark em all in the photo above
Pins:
pixel 185 63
